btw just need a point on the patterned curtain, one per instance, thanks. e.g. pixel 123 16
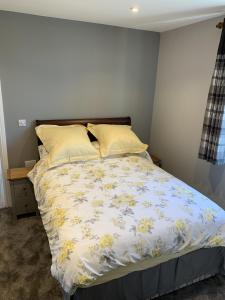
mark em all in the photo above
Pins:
pixel 212 147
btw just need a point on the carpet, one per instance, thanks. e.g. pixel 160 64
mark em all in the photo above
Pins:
pixel 25 262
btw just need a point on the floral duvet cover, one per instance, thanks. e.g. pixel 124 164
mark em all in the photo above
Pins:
pixel 103 214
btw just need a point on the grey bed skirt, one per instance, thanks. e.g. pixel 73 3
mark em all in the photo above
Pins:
pixel 158 280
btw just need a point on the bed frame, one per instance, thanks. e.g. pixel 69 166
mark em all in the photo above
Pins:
pixel 152 282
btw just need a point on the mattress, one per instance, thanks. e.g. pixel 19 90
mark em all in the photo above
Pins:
pixel 108 217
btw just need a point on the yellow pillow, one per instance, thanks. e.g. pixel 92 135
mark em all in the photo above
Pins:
pixel 116 139
pixel 66 143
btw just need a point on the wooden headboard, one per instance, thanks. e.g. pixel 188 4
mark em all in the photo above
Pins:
pixel 115 121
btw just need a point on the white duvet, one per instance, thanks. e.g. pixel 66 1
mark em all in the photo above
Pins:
pixel 103 214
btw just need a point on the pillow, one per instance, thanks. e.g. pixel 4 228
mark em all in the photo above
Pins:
pixel 144 154
pixel 66 143
pixel 116 139
pixel 43 152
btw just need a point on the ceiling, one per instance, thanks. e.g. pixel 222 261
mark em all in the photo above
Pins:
pixel 154 15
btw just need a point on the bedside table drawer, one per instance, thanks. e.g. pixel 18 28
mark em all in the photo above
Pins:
pixel 23 190
pixel 24 199
pixel 22 206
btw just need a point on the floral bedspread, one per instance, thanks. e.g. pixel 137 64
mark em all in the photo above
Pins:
pixel 103 214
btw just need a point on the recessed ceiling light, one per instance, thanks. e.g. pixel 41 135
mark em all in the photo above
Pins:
pixel 134 9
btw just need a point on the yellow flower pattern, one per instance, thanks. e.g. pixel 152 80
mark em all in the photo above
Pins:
pixel 106 241
pixel 124 199
pixel 75 176
pixel 209 214
pixel 58 217
pixel 180 225
pixel 51 200
pixel 216 241
pixel 83 280
pixel 76 220
pixel 97 203
pixel 145 225
pixel 109 186
pixel 98 174
pixel 79 194
pixel 68 246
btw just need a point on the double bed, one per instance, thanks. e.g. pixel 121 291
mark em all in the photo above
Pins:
pixel 122 228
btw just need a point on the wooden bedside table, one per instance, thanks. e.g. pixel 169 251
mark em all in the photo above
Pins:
pixel 23 200
pixel 157 161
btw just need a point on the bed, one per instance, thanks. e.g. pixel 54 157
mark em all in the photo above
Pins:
pixel 122 228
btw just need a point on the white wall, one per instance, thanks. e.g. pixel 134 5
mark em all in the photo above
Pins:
pixel 186 62
pixel 5 196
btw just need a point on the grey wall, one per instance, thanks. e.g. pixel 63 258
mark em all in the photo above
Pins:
pixel 53 68
pixel 186 62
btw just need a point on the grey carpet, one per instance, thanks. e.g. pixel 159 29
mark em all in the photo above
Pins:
pixel 25 262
